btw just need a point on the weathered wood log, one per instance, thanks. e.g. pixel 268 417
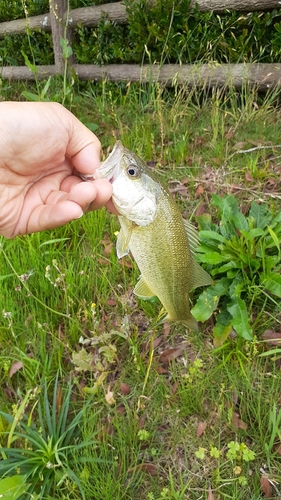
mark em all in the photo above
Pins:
pixel 90 16
pixel 19 25
pixel 263 76
pixel 24 73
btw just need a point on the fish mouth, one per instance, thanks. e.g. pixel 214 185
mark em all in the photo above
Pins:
pixel 109 168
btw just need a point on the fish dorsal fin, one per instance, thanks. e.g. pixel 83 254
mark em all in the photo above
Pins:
pixel 199 277
pixel 142 289
pixel 192 234
pixel 123 238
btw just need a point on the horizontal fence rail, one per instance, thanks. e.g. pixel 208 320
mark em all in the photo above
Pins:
pixel 264 76
pixel 116 12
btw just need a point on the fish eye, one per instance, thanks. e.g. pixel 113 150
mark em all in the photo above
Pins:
pixel 133 171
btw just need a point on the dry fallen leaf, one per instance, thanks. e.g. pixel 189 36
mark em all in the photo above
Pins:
pixel 107 249
pixel 271 337
pixel 16 366
pixel 111 302
pixel 59 397
pixel 277 448
pixel 239 145
pixel 167 328
pixel 125 389
pixel 146 467
pixel 201 427
pixel 266 486
pixel 248 177
pixel 109 398
pixel 161 370
pixel 238 423
pixel 141 421
pixel 201 209
pixel 173 353
pixel 175 387
pixel 199 191
pixel 126 262
pixel 121 410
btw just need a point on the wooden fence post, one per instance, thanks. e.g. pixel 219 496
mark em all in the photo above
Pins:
pixel 61 34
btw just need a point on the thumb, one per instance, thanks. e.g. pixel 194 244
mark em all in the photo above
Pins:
pixel 83 146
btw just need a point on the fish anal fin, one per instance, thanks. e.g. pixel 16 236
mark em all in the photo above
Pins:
pixel 142 289
pixel 199 277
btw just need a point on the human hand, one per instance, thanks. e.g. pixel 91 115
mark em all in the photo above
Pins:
pixel 43 149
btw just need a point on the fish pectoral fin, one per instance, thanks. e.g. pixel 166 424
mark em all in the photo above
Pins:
pixel 192 234
pixel 142 289
pixel 199 277
pixel 123 239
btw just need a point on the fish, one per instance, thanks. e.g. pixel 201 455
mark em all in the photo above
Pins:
pixel 152 229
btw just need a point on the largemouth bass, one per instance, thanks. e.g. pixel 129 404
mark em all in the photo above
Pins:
pixel 152 228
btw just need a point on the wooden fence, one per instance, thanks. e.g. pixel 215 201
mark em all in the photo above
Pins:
pixel 60 22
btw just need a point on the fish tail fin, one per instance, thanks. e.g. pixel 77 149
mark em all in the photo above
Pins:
pixel 191 323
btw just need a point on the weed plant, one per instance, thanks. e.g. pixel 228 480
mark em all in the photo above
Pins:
pixel 243 255
pixel 45 459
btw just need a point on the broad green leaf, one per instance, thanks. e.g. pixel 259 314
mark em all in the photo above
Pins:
pixel 277 218
pixel 30 96
pixel 46 87
pixel 228 206
pixel 276 240
pixel 205 222
pixel 237 286
pixel 273 283
pixel 208 300
pixel 240 322
pixel 30 66
pixel 228 228
pixel 222 328
pixel 226 267
pixel 240 221
pixel 271 262
pixel 217 201
pixel 210 258
pixel 254 264
pixel 66 49
pixel 12 487
pixel 261 215
pixel 211 235
pixel 231 274
pixel 256 232
pixel 207 246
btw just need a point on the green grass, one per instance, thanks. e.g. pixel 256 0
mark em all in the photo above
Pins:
pixel 67 310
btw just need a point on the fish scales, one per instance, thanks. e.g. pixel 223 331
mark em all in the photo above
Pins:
pixel 166 270
pixel 152 228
